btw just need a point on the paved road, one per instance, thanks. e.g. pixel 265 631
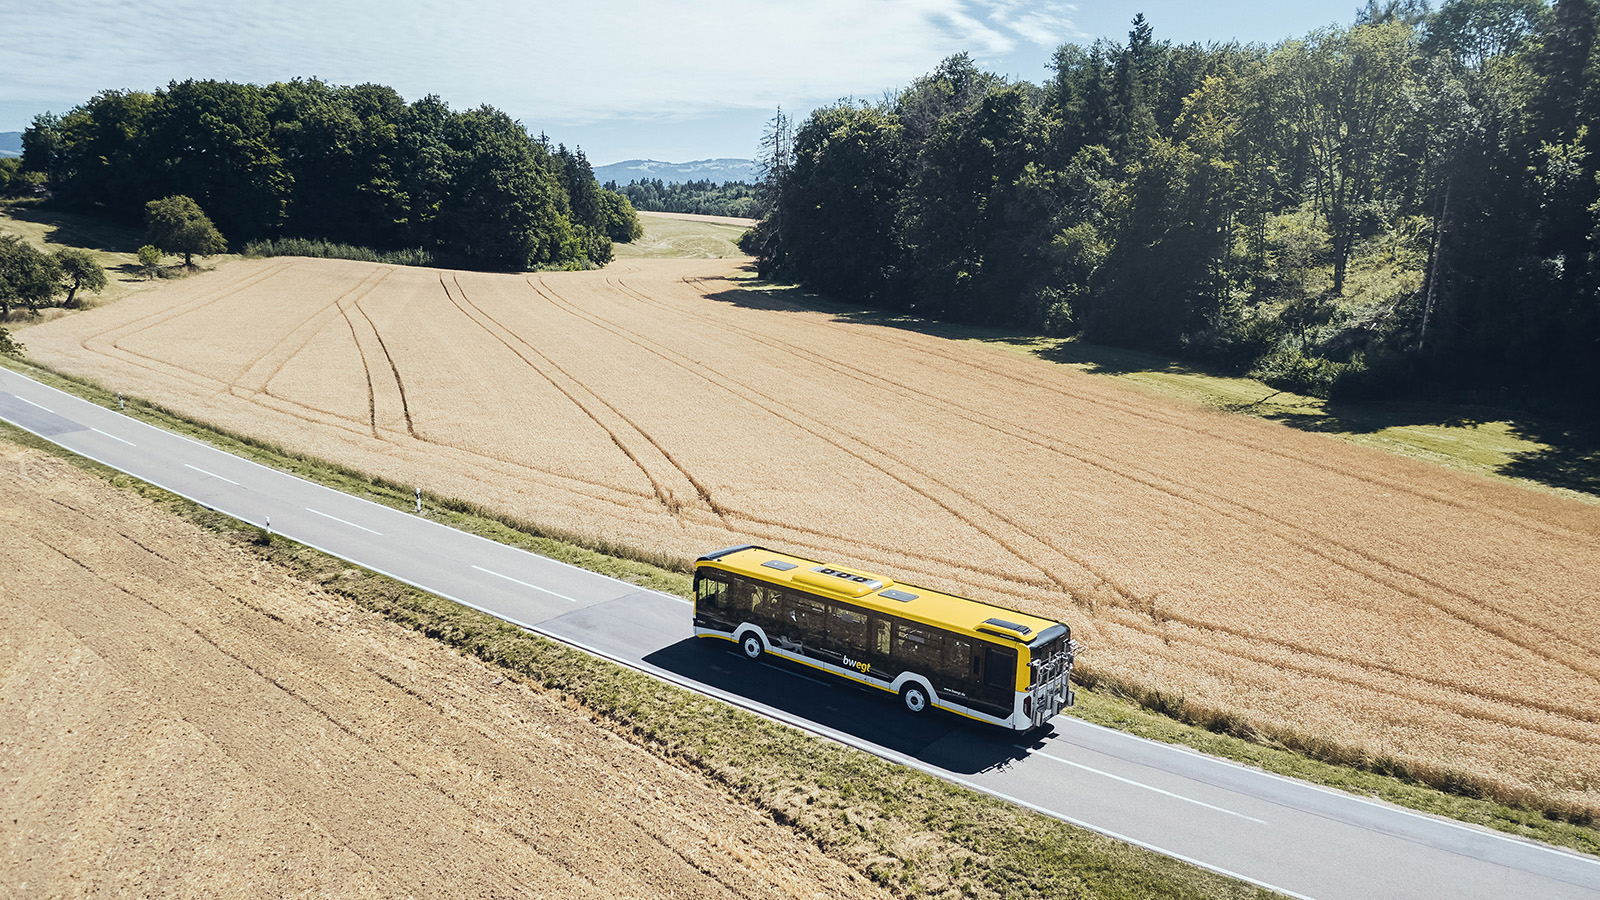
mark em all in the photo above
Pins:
pixel 1301 840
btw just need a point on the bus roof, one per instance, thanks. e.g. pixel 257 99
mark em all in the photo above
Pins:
pixel 882 593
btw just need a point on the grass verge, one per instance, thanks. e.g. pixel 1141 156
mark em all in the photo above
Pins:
pixel 914 834
pixel 1103 700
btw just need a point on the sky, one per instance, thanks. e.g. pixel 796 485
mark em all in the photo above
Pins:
pixel 671 80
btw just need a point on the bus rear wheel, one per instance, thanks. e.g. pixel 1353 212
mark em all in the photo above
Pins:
pixel 915 699
pixel 751 645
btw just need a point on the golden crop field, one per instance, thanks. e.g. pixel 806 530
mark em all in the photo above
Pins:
pixel 1309 584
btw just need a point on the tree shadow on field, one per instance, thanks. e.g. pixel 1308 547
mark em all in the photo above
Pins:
pixel 869 715
pixel 1570 458
pixel 1569 433
pixel 75 229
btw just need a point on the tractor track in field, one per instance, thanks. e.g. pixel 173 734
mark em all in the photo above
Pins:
pixel 662 493
pixel 1246 514
pixel 1207 556
pixel 799 419
pixel 1134 603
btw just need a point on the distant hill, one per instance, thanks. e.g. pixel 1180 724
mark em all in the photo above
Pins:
pixel 720 171
pixel 10 143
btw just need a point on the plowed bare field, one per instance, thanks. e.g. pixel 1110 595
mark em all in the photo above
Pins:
pixel 180 719
pixel 1311 584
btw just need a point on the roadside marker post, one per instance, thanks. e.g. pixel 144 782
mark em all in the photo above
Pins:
pixel 419 501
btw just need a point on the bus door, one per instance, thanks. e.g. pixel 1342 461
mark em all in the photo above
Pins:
pixel 999 676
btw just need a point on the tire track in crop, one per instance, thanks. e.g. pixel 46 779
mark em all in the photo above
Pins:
pixel 399 383
pixel 773 406
pixel 1101 578
pixel 597 491
pixel 1534 647
pixel 1149 413
pixel 310 327
pixel 662 494
pixel 1287 530
pixel 263 381
pixel 701 490
pixel 111 339
pixel 366 369
pixel 218 292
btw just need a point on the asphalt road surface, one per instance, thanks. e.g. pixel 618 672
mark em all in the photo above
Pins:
pixel 1295 838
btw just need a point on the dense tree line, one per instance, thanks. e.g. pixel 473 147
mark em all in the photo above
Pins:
pixel 702 198
pixel 1412 195
pixel 356 165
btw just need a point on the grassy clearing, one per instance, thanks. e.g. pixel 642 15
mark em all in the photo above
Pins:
pixel 669 238
pixel 700 726
pixel 113 246
pixel 1533 449
pixel 914 834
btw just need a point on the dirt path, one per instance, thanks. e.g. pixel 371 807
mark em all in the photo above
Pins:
pixel 179 719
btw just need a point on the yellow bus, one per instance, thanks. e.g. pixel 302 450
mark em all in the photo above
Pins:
pixel 934 650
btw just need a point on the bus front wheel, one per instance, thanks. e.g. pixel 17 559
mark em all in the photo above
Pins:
pixel 915 698
pixel 751 645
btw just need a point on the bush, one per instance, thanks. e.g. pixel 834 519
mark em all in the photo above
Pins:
pixel 320 249
pixel 1297 371
pixel 8 346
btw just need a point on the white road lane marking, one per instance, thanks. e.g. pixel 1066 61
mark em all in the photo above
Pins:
pixel 336 519
pixel 236 484
pixel 525 584
pixel 112 436
pixel 33 404
pixel 1139 784
pixel 1480 831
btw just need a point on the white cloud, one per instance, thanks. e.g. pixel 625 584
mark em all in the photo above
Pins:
pixel 556 62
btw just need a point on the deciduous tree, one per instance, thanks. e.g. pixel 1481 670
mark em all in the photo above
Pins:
pixel 79 271
pixel 29 278
pixel 178 225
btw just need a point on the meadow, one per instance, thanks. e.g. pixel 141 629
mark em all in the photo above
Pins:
pixel 1297 582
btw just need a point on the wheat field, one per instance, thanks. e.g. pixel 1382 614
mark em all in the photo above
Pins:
pixel 1304 583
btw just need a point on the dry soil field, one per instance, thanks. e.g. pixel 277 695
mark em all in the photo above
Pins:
pixel 179 719
pixel 1316 585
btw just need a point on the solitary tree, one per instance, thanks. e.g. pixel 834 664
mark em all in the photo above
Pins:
pixel 79 271
pixel 177 225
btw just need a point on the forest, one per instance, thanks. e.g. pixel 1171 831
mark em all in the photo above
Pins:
pixel 701 198
pixel 347 165
pixel 1410 200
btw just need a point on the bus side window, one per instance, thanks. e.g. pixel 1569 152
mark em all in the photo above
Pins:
pixel 881 631
pixel 918 646
pixel 712 593
pixel 738 597
pixel 810 616
pixel 764 603
pixel 847 627
pixel 961 661
pixel 1000 669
